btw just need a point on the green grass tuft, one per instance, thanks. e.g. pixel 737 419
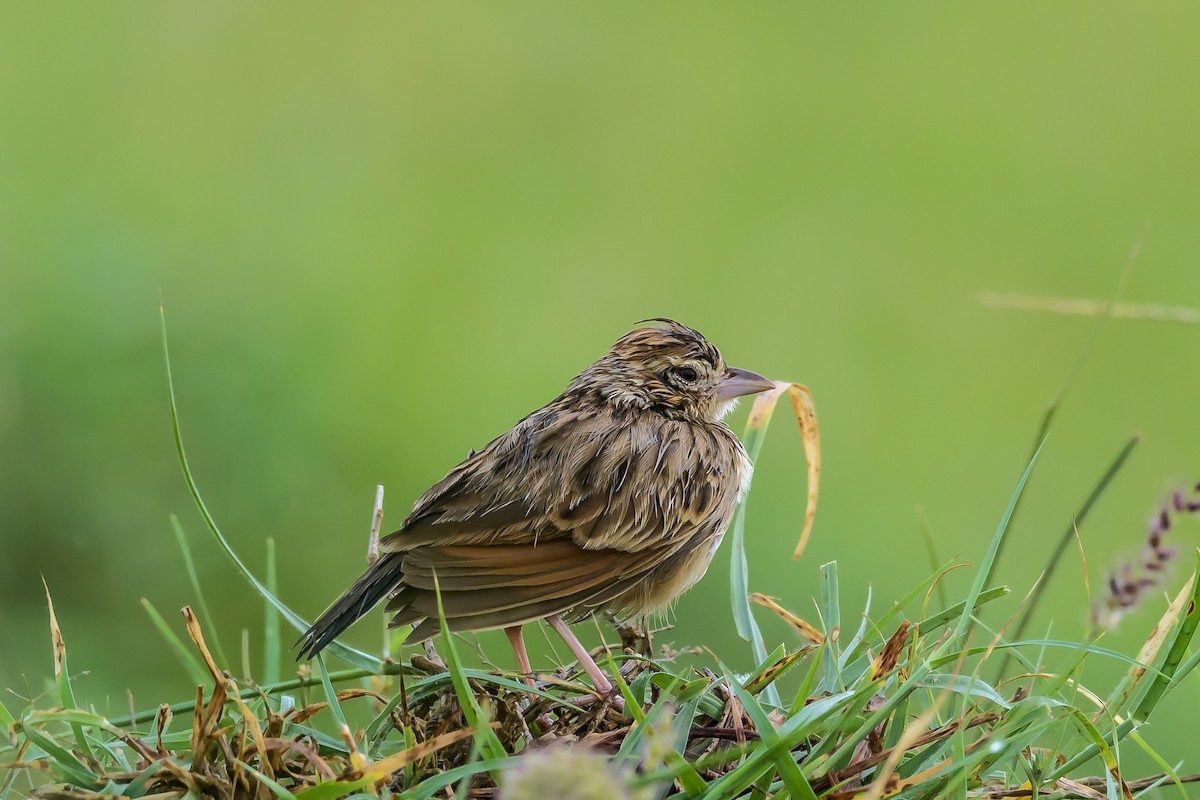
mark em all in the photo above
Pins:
pixel 899 709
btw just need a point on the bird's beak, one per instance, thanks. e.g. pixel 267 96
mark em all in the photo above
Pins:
pixel 739 382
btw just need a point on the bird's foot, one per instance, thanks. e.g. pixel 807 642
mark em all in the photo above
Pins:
pixel 608 697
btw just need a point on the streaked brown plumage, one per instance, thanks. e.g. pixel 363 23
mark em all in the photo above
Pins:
pixel 614 496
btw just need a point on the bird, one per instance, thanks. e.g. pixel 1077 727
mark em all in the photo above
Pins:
pixel 613 497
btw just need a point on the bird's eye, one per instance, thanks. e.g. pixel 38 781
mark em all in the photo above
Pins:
pixel 687 374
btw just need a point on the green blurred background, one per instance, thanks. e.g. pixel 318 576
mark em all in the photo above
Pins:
pixel 386 232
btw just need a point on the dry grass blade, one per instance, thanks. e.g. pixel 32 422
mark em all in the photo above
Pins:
pixel 306 752
pixel 193 629
pixel 806 416
pixel 805 629
pixel 62 677
pixel 385 767
pixel 1083 788
pixel 256 736
pixel 928 737
pixel 1093 308
pixel 1169 671
pixel 161 722
pixel 60 645
pixel 376 526
pixel 890 657
pixel 1079 789
pixel 207 724
pixel 1149 652
pixel 886 777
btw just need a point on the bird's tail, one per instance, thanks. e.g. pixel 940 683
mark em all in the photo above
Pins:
pixel 379 579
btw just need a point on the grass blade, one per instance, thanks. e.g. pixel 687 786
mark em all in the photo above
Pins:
pixel 211 630
pixel 195 670
pixel 931 551
pixel 788 770
pixel 1169 772
pixel 272 645
pixel 331 695
pixel 1084 353
pixel 672 754
pixel 1065 540
pixel 1102 747
pixel 941 659
pixel 767 673
pixel 435 783
pixel 1093 749
pixel 831 679
pixel 276 788
pixel 1175 653
pixel 349 654
pixel 964 685
pixel 989 559
pixel 137 787
pixel 860 636
pixel 797 728
pixel 486 739
pixel 381 769
pixel 62 676
pixel 63 762
pixel 739 569
pixel 942 617
pixel 643 721
pixel 187 706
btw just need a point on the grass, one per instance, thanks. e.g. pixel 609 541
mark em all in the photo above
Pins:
pixel 900 708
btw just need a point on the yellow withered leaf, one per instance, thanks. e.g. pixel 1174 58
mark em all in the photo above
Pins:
pixel 806 416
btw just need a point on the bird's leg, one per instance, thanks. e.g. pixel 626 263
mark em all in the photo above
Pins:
pixel 517 640
pixel 581 655
pixel 432 654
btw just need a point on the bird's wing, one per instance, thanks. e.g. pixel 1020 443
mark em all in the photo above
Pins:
pixel 487 586
pixel 629 485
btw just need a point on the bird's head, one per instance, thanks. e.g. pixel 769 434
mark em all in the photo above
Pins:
pixel 670 369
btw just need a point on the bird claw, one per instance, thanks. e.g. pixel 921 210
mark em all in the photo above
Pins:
pixel 611 698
